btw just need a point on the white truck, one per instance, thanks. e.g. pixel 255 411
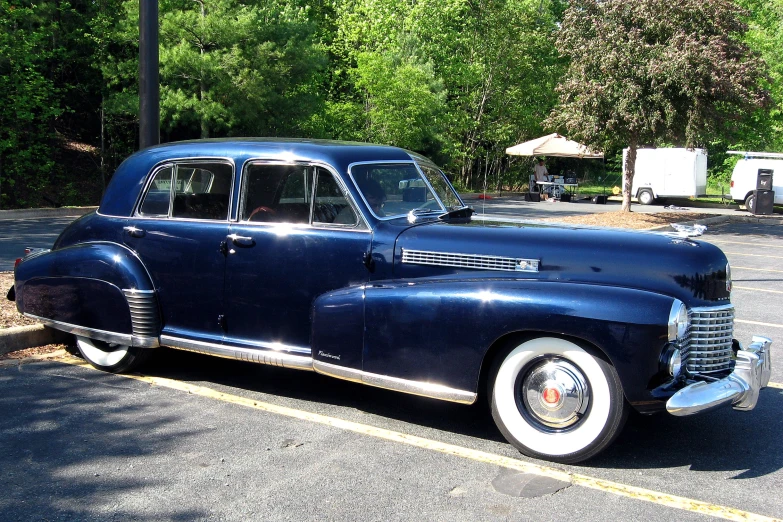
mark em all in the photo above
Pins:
pixel 668 172
pixel 745 174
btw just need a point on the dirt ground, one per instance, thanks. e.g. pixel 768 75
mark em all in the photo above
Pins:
pixel 10 318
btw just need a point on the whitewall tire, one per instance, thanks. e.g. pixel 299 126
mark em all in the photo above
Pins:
pixel 110 357
pixel 553 400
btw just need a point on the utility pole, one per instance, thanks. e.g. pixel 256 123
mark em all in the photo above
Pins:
pixel 149 82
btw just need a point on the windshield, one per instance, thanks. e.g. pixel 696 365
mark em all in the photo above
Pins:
pixel 395 189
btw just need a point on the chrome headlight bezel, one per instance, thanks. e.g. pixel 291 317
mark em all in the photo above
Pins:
pixel 679 321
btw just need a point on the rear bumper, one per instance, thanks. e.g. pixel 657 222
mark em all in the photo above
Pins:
pixel 740 389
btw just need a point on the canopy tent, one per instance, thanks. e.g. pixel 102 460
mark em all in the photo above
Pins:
pixel 553 145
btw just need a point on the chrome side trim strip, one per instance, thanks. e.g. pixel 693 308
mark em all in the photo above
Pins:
pixel 424 389
pixel 101 335
pixel 281 359
pixel 277 347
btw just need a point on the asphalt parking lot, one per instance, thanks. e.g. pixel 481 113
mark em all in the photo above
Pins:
pixel 204 438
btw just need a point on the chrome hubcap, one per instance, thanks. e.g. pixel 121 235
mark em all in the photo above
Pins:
pixel 555 393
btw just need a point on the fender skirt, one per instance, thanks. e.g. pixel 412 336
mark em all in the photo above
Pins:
pixel 99 290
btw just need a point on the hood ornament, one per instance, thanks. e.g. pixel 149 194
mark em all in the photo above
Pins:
pixel 686 231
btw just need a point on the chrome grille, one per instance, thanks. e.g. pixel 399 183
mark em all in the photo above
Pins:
pixel 145 319
pixel 707 348
pixel 475 261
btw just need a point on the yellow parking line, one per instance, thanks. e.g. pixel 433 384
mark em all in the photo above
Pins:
pixel 756 269
pixel 773 325
pixel 757 289
pixel 752 255
pixel 762 245
pixel 623 490
pixel 775 385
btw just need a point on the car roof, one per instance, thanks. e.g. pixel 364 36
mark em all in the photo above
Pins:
pixel 128 180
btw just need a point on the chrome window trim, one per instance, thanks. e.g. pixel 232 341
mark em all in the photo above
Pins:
pixel 423 389
pixel 135 214
pixel 142 196
pixel 268 357
pixel 101 335
pixel 443 175
pixel 427 181
pixel 361 226
pixel 387 162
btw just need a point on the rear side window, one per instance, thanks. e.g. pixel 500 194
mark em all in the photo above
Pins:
pixel 190 190
pixel 202 191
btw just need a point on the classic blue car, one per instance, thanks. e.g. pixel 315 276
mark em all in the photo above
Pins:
pixel 361 262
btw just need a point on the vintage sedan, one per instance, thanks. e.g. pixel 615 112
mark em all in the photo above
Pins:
pixel 361 262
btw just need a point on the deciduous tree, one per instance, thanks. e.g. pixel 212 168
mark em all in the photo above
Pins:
pixel 653 71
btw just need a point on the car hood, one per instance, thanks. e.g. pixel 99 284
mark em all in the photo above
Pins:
pixel 690 270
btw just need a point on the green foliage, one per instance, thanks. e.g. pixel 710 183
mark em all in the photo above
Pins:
pixel 458 80
pixel 28 101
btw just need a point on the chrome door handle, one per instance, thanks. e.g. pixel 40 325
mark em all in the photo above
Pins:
pixel 241 240
pixel 133 231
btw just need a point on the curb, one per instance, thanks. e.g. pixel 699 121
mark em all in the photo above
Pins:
pixel 22 337
pixel 29 213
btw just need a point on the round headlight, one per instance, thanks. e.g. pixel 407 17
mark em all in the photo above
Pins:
pixel 678 321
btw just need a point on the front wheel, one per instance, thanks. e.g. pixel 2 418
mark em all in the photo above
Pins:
pixel 552 400
pixel 110 357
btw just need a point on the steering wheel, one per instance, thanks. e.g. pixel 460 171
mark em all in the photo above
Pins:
pixel 259 210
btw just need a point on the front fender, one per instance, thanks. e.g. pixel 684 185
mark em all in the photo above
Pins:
pixel 440 331
pixel 98 289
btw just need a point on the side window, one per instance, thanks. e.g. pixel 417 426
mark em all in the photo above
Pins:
pixel 276 193
pixel 158 198
pixel 202 190
pixel 331 205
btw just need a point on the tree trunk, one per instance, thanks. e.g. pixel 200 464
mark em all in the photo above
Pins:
pixel 628 173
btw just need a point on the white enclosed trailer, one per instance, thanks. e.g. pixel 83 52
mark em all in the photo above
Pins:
pixel 662 173
pixel 745 174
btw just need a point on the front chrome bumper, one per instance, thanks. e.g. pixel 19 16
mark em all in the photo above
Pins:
pixel 741 388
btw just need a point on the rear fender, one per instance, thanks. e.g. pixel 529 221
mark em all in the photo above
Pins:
pixel 439 332
pixel 100 290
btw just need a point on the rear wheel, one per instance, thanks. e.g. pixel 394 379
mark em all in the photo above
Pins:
pixel 553 400
pixel 111 357
pixel 646 197
pixel 750 203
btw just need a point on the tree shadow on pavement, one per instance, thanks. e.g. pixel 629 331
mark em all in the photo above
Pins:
pixel 70 442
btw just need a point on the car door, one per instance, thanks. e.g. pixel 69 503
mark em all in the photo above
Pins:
pixel 297 236
pixel 177 231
